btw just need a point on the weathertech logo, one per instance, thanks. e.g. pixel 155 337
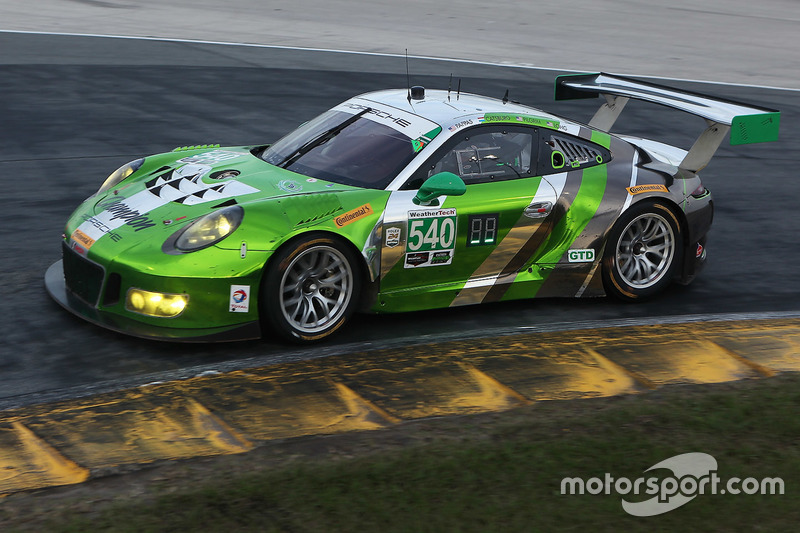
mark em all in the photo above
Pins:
pixel 650 187
pixel 352 216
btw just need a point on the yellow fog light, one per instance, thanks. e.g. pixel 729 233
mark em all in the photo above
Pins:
pixel 155 303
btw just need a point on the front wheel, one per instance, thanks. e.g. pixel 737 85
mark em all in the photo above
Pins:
pixel 310 289
pixel 643 250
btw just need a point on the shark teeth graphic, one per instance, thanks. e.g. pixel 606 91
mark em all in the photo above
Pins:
pixel 184 185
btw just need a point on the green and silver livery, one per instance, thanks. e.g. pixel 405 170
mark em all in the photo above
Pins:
pixel 398 200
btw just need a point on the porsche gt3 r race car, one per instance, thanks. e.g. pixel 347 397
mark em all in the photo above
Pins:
pixel 398 200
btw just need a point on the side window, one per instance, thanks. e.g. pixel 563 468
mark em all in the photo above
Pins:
pixel 484 154
pixel 560 153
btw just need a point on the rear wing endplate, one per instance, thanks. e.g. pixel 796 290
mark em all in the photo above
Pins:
pixel 741 123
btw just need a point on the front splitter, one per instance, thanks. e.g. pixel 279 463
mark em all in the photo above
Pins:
pixel 57 288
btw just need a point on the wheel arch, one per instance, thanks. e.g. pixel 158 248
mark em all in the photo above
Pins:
pixel 361 265
pixel 653 204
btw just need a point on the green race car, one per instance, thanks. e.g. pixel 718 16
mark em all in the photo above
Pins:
pixel 397 200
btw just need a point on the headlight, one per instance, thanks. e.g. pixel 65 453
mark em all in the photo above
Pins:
pixel 155 303
pixel 120 174
pixel 208 230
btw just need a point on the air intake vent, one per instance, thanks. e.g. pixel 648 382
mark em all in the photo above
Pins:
pixel 83 277
pixel 575 152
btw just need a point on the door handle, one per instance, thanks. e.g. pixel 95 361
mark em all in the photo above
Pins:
pixel 538 209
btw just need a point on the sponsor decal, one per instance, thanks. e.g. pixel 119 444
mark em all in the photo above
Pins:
pixel 427 259
pixel 102 227
pixel 82 239
pixel 410 125
pixel 432 213
pixel 462 124
pixel 700 250
pixel 423 140
pixel 649 187
pixel 418 144
pixel 522 119
pixel 240 299
pixel 393 237
pixel 441 258
pixel 211 158
pixel 122 211
pixel 417 259
pixel 351 216
pixel 581 256
pixel 311 180
pixel 432 234
pixel 289 186
pixel 379 114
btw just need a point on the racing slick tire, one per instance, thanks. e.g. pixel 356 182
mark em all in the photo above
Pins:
pixel 643 252
pixel 310 289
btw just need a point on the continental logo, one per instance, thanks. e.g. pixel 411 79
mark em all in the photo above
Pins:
pixel 650 187
pixel 81 238
pixel 351 216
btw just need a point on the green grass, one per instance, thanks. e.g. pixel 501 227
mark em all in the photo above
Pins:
pixel 502 472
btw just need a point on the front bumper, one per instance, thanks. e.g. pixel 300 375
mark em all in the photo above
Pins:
pixel 57 288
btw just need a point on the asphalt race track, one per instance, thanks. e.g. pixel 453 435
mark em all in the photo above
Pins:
pixel 72 109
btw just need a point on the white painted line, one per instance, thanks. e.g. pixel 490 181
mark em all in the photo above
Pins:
pixel 374 54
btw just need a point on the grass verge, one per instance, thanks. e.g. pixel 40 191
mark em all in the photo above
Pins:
pixel 490 472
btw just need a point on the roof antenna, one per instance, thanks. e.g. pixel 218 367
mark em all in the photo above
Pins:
pixel 458 91
pixel 408 79
pixel 505 98
pixel 449 86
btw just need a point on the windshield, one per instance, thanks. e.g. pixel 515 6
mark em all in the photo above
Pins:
pixel 344 148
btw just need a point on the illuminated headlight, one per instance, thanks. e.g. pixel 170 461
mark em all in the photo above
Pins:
pixel 155 303
pixel 120 174
pixel 209 229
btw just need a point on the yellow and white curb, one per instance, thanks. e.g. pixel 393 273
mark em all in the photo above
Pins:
pixel 70 441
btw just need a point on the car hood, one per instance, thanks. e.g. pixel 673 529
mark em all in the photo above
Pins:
pixel 171 190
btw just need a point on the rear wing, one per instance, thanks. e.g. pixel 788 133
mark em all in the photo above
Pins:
pixel 741 123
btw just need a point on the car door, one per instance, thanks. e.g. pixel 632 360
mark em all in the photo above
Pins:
pixel 465 249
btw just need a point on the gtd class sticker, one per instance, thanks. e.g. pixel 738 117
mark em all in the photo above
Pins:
pixel 431 238
pixel 580 256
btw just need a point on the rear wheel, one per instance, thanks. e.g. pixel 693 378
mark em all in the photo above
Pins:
pixel 643 251
pixel 310 289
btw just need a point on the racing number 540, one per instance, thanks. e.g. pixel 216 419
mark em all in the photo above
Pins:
pixel 431 234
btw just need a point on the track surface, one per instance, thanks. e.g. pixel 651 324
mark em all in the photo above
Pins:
pixel 737 41
pixel 94 103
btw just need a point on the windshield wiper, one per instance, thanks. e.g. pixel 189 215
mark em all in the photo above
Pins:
pixel 321 139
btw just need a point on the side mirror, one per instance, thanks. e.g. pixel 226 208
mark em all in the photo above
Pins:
pixel 441 184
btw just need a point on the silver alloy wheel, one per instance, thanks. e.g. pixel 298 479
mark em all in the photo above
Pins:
pixel 316 289
pixel 645 250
